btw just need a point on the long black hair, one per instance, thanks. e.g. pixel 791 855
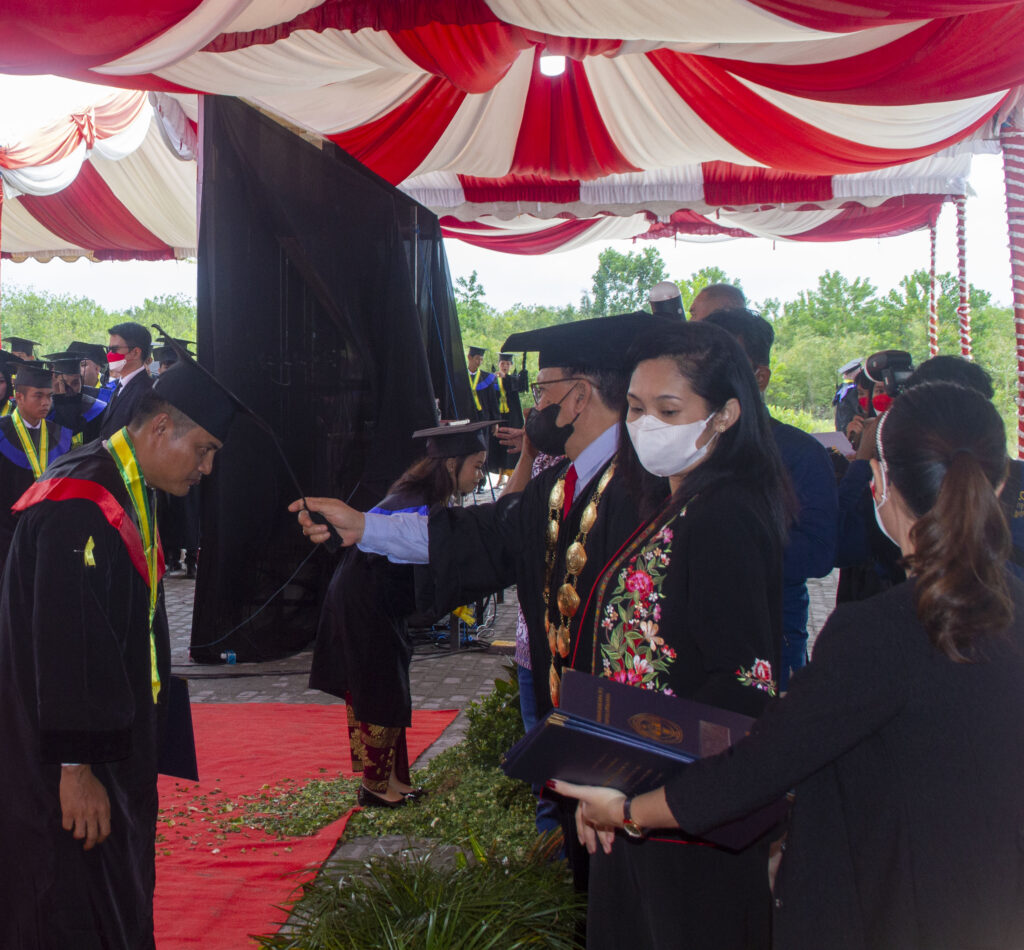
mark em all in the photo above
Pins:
pixel 943 447
pixel 717 370
pixel 430 479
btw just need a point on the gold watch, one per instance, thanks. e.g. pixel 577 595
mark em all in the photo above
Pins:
pixel 628 825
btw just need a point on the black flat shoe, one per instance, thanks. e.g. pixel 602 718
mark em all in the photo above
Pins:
pixel 369 799
pixel 415 794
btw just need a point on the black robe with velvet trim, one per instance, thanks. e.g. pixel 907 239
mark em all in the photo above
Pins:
pixel 362 648
pixel 16 475
pixel 75 688
pixel 482 549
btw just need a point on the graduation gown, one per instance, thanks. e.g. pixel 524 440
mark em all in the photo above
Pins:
pixel 510 413
pixel 122 403
pixel 362 645
pixel 75 687
pixel 79 412
pixel 16 475
pixel 485 395
pixel 478 550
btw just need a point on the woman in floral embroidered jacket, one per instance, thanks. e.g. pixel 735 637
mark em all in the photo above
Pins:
pixel 691 606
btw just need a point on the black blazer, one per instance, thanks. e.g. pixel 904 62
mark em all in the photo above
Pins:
pixel 907 830
pixel 122 405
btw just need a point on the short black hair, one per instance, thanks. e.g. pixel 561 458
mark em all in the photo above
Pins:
pixel 952 369
pixel 151 405
pixel 751 330
pixel 134 335
pixel 610 384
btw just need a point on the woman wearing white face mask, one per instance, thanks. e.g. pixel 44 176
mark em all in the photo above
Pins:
pixel 904 737
pixel 691 606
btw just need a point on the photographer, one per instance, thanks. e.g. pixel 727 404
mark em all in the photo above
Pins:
pixel 869 562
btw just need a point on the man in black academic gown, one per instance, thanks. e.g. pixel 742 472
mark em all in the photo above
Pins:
pixel 508 385
pixel 129 348
pixel 21 347
pixel 84 667
pixel 580 392
pixel 73 408
pixel 28 443
pixel 483 386
pixel 92 364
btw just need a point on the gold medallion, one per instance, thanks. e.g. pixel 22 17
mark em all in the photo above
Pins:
pixel 568 600
pixel 575 559
pixel 588 519
pixel 552 639
pixel 557 497
pixel 554 684
pixel 605 479
pixel 552 532
pixel 562 637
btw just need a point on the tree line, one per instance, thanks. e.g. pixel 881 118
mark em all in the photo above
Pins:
pixel 818 331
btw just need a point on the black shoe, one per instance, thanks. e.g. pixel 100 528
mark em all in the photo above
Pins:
pixel 415 794
pixel 369 799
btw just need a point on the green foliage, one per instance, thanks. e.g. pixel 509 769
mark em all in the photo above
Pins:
pixel 57 319
pixel 690 286
pixel 495 722
pixel 483 900
pixel 622 281
pixel 806 421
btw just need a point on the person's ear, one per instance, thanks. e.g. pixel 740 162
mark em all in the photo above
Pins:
pixel 762 374
pixel 727 416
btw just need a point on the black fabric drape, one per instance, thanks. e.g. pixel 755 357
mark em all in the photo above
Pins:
pixel 325 303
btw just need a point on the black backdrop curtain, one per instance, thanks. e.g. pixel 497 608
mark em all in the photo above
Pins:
pixel 325 304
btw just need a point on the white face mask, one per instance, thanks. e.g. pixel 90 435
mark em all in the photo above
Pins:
pixel 665 449
pixel 881 494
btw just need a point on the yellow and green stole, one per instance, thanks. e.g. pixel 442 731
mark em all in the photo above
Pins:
pixel 474 378
pixel 119 445
pixel 38 459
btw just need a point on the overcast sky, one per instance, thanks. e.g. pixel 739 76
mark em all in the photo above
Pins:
pixel 767 269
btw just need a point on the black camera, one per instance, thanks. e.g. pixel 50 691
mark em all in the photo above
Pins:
pixel 890 367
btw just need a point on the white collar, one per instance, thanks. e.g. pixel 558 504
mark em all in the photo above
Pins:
pixel 124 380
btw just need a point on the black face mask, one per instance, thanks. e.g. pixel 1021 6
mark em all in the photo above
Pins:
pixel 545 433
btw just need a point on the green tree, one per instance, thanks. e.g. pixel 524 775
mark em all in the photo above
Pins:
pixel 54 320
pixel 690 286
pixel 623 281
pixel 176 313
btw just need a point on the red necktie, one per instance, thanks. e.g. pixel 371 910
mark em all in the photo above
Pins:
pixel 570 491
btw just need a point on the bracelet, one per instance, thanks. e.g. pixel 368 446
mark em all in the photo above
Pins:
pixel 628 825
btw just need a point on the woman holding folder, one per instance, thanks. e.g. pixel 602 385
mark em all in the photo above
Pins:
pixel 691 606
pixel 904 738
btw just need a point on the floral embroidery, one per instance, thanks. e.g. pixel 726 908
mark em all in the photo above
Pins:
pixel 635 653
pixel 759 675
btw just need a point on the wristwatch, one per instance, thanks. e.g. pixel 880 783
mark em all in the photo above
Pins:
pixel 628 825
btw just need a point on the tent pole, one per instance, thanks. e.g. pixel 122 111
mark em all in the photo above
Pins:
pixel 1011 137
pixel 963 309
pixel 933 313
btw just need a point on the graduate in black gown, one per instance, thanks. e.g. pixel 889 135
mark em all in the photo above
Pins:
pixel 73 408
pixel 363 651
pixel 28 443
pixel 482 384
pixel 8 366
pixel 509 384
pixel 84 664
pixel 523 538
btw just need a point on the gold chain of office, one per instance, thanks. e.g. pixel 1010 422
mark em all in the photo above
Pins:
pixel 575 560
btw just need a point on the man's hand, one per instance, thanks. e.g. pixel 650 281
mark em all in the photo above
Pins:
pixel 854 429
pixel 511 438
pixel 348 522
pixel 84 805
pixel 866 449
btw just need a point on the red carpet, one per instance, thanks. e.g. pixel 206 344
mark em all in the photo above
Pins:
pixel 213 888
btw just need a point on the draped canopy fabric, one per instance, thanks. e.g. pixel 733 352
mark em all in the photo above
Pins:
pixel 742 101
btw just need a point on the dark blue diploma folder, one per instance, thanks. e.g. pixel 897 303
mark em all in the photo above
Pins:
pixel 606 733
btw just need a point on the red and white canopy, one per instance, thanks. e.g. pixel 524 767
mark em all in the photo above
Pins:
pixel 737 103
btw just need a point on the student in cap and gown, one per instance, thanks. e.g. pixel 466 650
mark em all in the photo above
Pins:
pixel 93 364
pixel 21 347
pixel 8 367
pixel 179 517
pixel 129 348
pixel 523 538
pixel 483 385
pixel 28 443
pixel 508 386
pixel 363 651
pixel 73 408
pixel 84 676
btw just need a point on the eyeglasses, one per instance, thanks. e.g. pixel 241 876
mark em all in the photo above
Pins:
pixel 537 389
pixel 117 349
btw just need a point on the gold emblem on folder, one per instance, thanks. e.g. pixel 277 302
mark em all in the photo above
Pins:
pixel 657 728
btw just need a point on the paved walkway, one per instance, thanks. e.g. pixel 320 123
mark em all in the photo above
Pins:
pixel 440 679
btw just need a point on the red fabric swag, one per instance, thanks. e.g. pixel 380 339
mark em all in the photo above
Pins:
pixel 896 216
pixel 769 135
pixel 562 134
pixel 494 239
pixel 840 16
pixel 395 144
pixel 519 188
pixel 88 214
pixel 979 54
pixel 726 184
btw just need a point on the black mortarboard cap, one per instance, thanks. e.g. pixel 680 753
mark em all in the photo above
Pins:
pixel 456 438
pixel 199 396
pixel 34 373
pixel 167 354
pixel 477 351
pixel 68 363
pixel 596 344
pixel 20 343
pixel 506 356
pixel 89 351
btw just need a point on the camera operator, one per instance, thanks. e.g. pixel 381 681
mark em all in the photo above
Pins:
pixel 869 562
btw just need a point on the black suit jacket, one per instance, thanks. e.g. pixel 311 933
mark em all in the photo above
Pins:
pixel 122 405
